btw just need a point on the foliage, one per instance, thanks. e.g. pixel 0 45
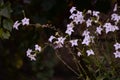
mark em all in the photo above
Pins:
pixel 5 20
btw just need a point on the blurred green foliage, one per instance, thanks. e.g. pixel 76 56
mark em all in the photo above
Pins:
pixel 5 20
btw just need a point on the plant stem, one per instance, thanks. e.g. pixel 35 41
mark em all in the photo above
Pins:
pixel 66 64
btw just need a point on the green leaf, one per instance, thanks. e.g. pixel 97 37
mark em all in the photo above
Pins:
pixel 6 10
pixel 6 35
pixel 1 3
pixel 100 78
pixel 7 24
pixel 87 78
pixel 1 31
pixel 0 21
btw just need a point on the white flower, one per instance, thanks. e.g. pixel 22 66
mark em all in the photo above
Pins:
pixel 90 52
pixel 16 24
pixel 86 40
pixel 37 47
pixel 107 26
pixel 29 52
pixel 60 40
pixel 72 9
pixel 115 8
pixel 117 46
pixel 80 20
pixel 69 29
pixel 79 14
pixel 115 17
pixel 51 38
pixel 25 21
pixel 114 27
pixel 117 54
pixel 30 55
pixel 74 42
pixel 88 22
pixel 79 54
pixel 86 33
pixel 70 25
pixel 78 17
pixel 89 12
pixel 96 13
pixel 72 16
pixel 98 30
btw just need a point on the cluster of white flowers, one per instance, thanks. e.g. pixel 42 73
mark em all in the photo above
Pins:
pixel 94 14
pixel 24 21
pixel 59 42
pixel 76 17
pixel 87 38
pixel 117 47
pixel 110 28
pixel 115 17
pixel 32 53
